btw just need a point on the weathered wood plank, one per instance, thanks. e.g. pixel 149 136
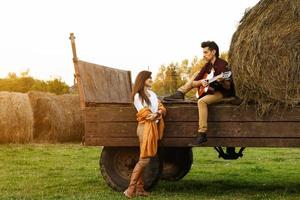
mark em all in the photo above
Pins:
pixel 188 129
pixel 110 114
pixel 103 84
pixel 188 113
pixel 212 142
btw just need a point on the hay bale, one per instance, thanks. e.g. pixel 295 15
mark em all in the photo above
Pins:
pixel 265 54
pixel 16 118
pixel 34 96
pixel 57 118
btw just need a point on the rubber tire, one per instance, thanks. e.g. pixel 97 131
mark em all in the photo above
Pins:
pixel 176 162
pixel 117 163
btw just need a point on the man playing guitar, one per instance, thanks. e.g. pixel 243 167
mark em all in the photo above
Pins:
pixel 216 91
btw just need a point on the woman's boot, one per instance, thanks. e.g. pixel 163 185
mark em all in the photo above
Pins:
pixel 131 190
pixel 140 188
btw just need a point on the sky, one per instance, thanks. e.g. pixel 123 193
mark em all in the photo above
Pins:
pixel 133 35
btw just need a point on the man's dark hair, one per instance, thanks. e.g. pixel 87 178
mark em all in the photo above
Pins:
pixel 212 46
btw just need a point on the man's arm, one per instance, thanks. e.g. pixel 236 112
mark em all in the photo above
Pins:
pixel 198 81
pixel 225 83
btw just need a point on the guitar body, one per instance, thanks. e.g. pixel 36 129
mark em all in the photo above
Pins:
pixel 202 91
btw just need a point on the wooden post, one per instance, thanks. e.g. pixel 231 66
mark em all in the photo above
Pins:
pixel 72 38
pixel 77 76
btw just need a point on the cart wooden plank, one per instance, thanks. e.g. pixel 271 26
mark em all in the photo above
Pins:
pixel 212 142
pixel 101 84
pixel 188 129
pixel 228 125
pixel 189 113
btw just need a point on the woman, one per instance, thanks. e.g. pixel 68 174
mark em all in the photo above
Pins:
pixel 149 130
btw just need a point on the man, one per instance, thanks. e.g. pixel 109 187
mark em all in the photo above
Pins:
pixel 219 89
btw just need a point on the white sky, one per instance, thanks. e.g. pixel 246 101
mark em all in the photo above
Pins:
pixel 126 34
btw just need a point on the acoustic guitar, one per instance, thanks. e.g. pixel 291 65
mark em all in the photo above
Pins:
pixel 211 78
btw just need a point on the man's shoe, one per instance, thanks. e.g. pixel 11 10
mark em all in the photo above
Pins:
pixel 201 138
pixel 176 96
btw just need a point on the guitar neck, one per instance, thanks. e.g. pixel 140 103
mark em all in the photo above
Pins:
pixel 214 78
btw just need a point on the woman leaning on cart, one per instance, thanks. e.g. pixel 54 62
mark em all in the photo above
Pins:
pixel 149 130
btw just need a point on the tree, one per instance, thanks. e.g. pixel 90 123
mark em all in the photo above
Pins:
pixel 57 86
pixel 169 78
pixel 26 83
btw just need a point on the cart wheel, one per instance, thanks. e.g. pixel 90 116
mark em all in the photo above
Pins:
pixel 117 163
pixel 176 162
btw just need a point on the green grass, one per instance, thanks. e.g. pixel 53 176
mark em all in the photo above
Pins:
pixel 70 171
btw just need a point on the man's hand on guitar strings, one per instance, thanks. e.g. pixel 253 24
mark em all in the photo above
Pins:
pixel 220 79
pixel 204 82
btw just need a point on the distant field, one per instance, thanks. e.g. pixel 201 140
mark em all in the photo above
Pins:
pixel 71 171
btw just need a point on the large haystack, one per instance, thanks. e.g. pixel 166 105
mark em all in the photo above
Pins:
pixel 57 118
pixel 265 53
pixel 16 118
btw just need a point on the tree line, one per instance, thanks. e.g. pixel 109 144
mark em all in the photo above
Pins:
pixel 25 83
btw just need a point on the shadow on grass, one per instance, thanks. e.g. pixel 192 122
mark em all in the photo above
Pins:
pixel 221 187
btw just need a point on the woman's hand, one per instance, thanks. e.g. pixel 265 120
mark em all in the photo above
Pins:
pixel 152 116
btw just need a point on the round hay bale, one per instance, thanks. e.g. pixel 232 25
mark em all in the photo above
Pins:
pixel 57 118
pixel 265 54
pixel 16 118
pixel 34 96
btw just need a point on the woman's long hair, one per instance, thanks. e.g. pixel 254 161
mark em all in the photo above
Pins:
pixel 139 84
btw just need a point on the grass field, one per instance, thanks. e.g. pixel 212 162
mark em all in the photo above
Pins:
pixel 71 171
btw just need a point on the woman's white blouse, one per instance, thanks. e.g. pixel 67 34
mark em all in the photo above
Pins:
pixel 139 105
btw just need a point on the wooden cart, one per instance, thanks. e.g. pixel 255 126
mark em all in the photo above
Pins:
pixel 110 122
